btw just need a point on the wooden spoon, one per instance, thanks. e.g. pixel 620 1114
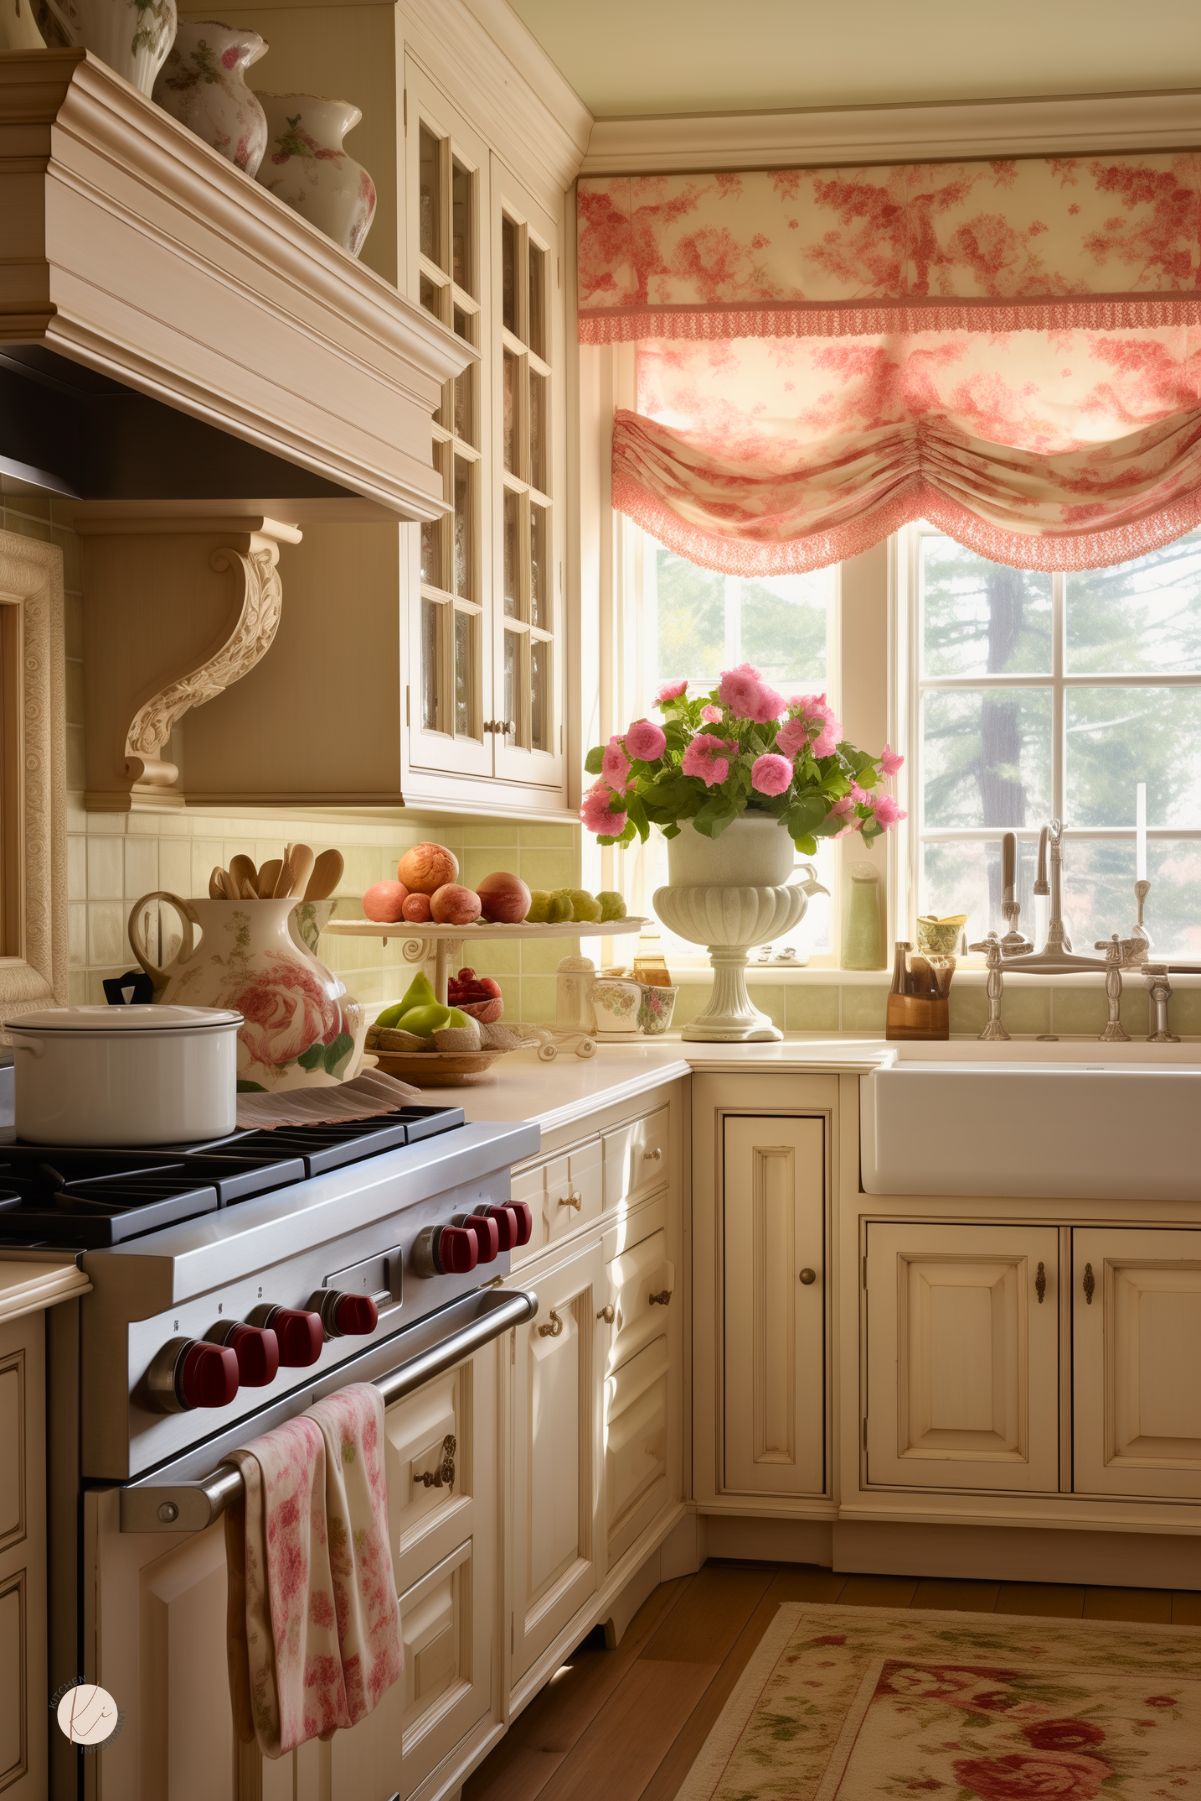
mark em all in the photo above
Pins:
pixel 327 873
pixel 245 876
pixel 300 868
pixel 268 877
pixel 217 884
pixel 282 886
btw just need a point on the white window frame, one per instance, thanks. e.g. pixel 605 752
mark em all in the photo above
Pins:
pixel 909 688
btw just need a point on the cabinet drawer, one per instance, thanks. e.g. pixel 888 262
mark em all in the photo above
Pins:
pixel 637 1157
pixel 574 1191
pixel 639 1287
pixel 427 1437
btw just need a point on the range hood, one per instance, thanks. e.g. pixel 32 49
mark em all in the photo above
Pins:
pixel 170 331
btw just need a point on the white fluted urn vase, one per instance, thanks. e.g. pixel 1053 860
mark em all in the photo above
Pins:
pixel 731 893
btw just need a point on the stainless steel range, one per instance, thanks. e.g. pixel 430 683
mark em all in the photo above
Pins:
pixel 236 1282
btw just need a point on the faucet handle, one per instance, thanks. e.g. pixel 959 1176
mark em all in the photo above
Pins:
pixel 990 945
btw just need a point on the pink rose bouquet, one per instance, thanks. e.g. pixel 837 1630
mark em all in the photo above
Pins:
pixel 741 748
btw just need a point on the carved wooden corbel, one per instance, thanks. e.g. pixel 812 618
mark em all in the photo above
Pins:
pixel 176 610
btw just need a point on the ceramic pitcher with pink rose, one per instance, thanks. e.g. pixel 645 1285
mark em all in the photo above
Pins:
pixel 302 1029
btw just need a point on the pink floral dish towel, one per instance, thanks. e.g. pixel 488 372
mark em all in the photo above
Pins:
pixel 313 1621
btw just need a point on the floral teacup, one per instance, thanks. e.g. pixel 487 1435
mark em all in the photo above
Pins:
pixel 655 1009
pixel 615 1004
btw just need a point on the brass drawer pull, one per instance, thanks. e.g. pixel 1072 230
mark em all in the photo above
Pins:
pixel 808 1277
pixel 662 1299
pixel 1090 1284
pixel 571 1200
pixel 608 1313
pixel 444 1475
pixel 553 1326
pixel 1040 1283
pixel 655 1156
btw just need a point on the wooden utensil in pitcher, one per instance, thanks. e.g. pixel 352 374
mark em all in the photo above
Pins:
pixel 327 873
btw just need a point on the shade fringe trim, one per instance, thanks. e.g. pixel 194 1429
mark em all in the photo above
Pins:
pixel 812 319
pixel 916 498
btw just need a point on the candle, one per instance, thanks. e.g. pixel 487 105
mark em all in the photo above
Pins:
pixel 1140 826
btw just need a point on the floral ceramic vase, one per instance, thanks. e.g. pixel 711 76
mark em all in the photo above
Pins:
pixel 301 1029
pixel 203 85
pixel 307 168
pixel 131 36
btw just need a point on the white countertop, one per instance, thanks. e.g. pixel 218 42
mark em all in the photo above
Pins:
pixel 555 1094
pixel 29 1283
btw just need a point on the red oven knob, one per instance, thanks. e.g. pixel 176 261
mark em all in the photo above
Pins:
pixel 486 1234
pixel 255 1347
pixel 346 1315
pixel 206 1375
pixel 456 1250
pixel 300 1334
pixel 515 1223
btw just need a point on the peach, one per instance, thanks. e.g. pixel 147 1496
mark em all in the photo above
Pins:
pixel 427 867
pixel 504 897
pixel 385 901
pixel 416 909
pixel 453 905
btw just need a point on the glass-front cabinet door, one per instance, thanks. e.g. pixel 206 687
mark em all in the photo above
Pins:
pixel 450 678
pixel 527 486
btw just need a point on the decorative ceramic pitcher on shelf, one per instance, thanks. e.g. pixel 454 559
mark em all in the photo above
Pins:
pixel 301 1030
pixel 131 36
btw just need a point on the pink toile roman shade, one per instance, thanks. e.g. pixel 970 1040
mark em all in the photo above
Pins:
pixel 1009 349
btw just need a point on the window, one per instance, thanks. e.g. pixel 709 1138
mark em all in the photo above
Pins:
pixel 1039 695
pixel 693 622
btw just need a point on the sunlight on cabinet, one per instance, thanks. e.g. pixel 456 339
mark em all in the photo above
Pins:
pixel 963 1356
pixel 640 1321
pixel 22 1561
pixel 1136 1308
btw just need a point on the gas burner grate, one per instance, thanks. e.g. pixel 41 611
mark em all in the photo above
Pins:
pixel 85 1197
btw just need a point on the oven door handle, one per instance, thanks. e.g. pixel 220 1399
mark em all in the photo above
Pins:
pixel 157 1506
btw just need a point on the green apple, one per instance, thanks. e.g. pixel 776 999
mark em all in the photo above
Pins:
pixel 539 908
pixel 612 906
pixel 584 906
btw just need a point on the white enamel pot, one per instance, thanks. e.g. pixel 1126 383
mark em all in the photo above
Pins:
pixel 125 1075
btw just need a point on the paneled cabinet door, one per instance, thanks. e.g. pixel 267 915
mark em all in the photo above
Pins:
pixel 1136 1329
pixel 773 1362
pixel 527 486
pixel 23 1721
pixel 556 1457
pixel 963 1357
pixel 449 274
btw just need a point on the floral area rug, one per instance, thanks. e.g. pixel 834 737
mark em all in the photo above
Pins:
pixel 872 1704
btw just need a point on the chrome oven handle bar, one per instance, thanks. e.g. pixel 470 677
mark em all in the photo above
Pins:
pixel 154 1505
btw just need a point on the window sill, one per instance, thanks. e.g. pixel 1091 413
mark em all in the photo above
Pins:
pixel 817 975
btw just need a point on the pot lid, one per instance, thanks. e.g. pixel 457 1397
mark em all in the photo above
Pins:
pixel 123 1019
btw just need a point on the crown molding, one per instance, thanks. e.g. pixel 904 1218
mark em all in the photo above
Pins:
pixel 1063 125
pixel 495 70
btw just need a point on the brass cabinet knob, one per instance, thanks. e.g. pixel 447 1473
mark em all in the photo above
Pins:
pixel 571 1200
pixel 608 1313
pixel 1040 1283
pixel 808 1277
pixel 654 1156
pixel 553 1326
pixel 1090 1284
pixel 444 1475
pixel 662 1299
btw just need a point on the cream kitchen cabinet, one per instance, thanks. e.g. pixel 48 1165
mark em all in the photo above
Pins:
pixel 156 1628
pixel 1136 1332
pixel 555 1521
pixel 963 1356
pixel 22 1560
pixel 761 1194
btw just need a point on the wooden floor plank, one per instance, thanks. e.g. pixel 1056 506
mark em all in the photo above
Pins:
pixel 710 1615
pixel 577 1692
pixel 878 1591
pixel 1148 1606
pixel 621 1750
pixel 955 1597
pixel 1048 1600
pixel 513 1772
pixel 1186 1608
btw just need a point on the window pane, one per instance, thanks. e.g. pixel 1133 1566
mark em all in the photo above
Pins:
pixel 1144 615
pixel 431 633
pixel 539 595
pixel 1173 916
pixel 431 197
pixel 511 553
pixel 987 757
pixel 464 385
pixel 539 692
pixel 509 380
pixel 1118 737
pixel 537 391
pixel 980 618
pixel 966 878
pixel 462 262
pixel 536 334
pixel 466 626
pixel 512 667
pixel 508 274
pixel 1098 890
pixel 706 622
pixel 465 529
